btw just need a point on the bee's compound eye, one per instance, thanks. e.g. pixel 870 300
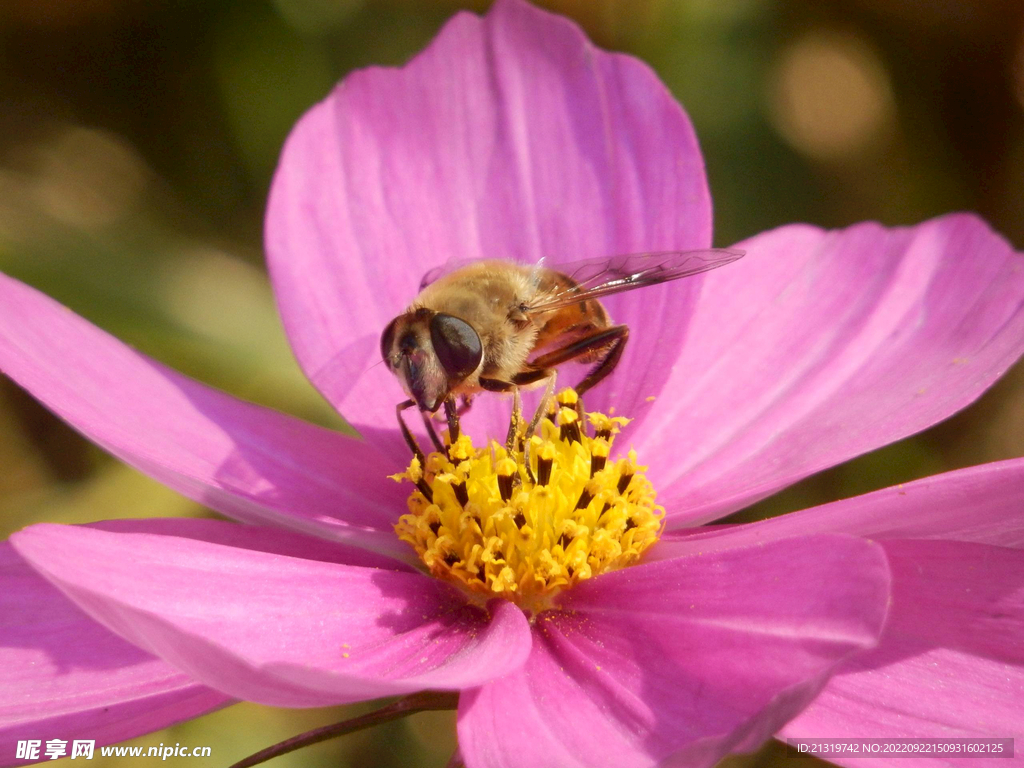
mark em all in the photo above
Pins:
pixel 456 345
pixel 387 341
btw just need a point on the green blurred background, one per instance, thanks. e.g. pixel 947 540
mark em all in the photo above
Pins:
pixel 137 140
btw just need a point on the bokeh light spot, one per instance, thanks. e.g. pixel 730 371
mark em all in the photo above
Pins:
pixel 88 178
pixel 830 96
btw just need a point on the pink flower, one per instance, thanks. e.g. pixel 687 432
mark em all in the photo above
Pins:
pixel 894 614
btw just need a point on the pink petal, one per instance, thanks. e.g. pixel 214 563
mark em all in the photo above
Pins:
pixel 278 629
pixel 819 346
pixel 683 660
pixel 257 538
pixel 510 136
pixel 951 659
pixel 979 504
pixel 247 462
pixel 62 675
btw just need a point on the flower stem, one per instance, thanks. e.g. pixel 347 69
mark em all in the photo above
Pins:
pixel 408 705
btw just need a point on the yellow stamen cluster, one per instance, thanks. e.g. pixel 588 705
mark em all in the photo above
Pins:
pixel 481 519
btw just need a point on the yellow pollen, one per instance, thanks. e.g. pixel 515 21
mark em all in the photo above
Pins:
pixel 499 530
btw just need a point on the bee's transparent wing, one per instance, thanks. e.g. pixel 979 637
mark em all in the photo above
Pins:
pixel 441 270
pixel 605 275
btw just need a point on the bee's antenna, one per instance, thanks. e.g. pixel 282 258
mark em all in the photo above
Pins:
pixel 374 365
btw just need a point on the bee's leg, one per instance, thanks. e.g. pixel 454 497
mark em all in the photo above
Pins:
pixel 496 385
pixel 414 446
pixel 451 413
pixel 428 422
pixel 409 439
pixel 530 377
pixel 542 406
pixel 609 343
pixel 512 439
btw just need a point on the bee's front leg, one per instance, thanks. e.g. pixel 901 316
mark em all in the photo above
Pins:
pixel 451 413
pixel 414 447
pixel 428 422
pixel 409 439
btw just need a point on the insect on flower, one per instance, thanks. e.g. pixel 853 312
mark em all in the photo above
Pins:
pixel 474 327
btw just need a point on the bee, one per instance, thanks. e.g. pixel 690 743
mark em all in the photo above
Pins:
pixel 499 326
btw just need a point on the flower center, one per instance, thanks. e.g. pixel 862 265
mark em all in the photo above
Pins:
pixel 484 520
